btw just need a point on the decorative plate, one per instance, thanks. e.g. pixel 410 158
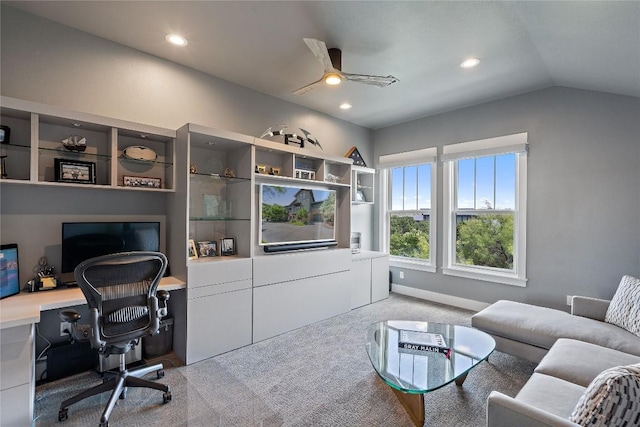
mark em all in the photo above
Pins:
pixel 140 153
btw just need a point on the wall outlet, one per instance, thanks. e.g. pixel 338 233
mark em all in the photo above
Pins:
pixel 63 326
pixel 402 274
pixel 569 299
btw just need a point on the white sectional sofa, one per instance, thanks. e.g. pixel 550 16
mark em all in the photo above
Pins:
pixel 588 371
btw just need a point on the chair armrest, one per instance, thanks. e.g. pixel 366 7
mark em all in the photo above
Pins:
pixel 505 411
pixel 76 332
pixel 593 308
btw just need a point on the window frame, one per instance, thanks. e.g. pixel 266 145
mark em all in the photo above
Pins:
pixel 476 149
pixel 408 159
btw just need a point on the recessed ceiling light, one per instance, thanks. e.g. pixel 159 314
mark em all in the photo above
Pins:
pixel 345 105
pixel 176 39
pixel 469 63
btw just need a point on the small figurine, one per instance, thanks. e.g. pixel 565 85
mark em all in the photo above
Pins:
pixel 229 173
pixel 75 143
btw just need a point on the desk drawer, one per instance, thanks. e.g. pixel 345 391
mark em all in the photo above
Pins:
pixel 16 406
pixel 221 288
pixel 16 356
pixel 205 273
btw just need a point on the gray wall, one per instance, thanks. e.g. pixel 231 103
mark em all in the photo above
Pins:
pixel 46 62
pixel 583 218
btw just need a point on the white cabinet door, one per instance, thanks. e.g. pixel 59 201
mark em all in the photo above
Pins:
pixel 360 282
pixel 286 306
pixel 379 278
pixel 217 324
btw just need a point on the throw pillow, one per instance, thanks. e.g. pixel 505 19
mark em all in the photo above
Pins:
pixel 624 309
pixel 612 399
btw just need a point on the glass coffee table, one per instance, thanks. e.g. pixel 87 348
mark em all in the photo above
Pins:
pixel 412 374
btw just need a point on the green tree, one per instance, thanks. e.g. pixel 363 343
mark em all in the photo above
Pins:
pixel 302 215
pixel 409 238
pixel 274 213
pixel 486 240
pixel 327 208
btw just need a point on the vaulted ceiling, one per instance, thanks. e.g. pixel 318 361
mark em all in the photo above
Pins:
pixel 522 46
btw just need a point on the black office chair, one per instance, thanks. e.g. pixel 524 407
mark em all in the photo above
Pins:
pixel 123 307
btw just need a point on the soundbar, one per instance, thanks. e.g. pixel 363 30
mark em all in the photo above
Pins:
pixel 298 246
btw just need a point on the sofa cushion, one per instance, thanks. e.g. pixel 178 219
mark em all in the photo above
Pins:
pixel 624 310
pixel 580 362
pixel 612 399
pixel 541 327
pixel 551 394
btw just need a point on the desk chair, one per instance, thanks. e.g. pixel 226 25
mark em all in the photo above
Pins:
pixel 123 307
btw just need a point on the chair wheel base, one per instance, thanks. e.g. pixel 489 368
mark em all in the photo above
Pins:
pixel 160 373
pixel 104 424
pixel 63 414
pixel 166 397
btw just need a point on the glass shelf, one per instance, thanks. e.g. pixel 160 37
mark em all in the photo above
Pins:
pixel 216 218
pixel 212 177
pixel 145 162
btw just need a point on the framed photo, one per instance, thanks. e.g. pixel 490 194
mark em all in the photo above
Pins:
pixel 192 253
pixel 261 169
pixel 227 246
pixel 5 134
pixel 75 171
pixel 207 249
pixel 141 181
pixel 360 196
pixel 275 171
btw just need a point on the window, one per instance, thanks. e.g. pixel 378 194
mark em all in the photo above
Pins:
pixel 409 211
pixel 485 209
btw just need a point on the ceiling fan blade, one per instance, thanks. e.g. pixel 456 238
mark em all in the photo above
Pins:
pixel 380 81
pixel 321 52
pixel 307 88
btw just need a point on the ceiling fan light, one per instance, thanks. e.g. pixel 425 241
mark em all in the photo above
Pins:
pixel 333 79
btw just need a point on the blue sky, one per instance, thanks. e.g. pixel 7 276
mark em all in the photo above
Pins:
pixel 492 178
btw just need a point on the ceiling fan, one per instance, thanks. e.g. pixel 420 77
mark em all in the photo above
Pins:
pixel 331 59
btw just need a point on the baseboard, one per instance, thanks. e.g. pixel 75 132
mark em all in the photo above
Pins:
pixel 465 303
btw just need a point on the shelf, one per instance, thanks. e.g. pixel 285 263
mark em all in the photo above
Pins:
pixel 213 218
pixel 37 132
pixel 217 177
pixel 289 180
pixel 363 185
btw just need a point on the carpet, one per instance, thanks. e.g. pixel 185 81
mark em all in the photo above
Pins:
pixel 318 375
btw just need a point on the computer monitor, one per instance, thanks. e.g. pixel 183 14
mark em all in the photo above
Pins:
pixel 9 278
pixel 84 240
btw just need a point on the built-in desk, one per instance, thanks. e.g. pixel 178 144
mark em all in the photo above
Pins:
pixel 18 315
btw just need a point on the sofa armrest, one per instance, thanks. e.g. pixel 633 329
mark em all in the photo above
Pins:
pixel 593 308
pixel 505 411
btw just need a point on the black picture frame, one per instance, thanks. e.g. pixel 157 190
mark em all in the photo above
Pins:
pixel 75 171
pixel 227 246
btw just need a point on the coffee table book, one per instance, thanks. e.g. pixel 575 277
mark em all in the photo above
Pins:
pixel 416 342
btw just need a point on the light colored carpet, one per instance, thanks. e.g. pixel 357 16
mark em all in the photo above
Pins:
pixel 318 375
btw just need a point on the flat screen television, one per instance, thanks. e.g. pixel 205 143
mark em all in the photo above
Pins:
pixel 84 240
pixel 296 217
pixel 9 280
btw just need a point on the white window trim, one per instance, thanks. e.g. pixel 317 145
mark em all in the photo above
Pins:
pixel 501 145
pixel 409 158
